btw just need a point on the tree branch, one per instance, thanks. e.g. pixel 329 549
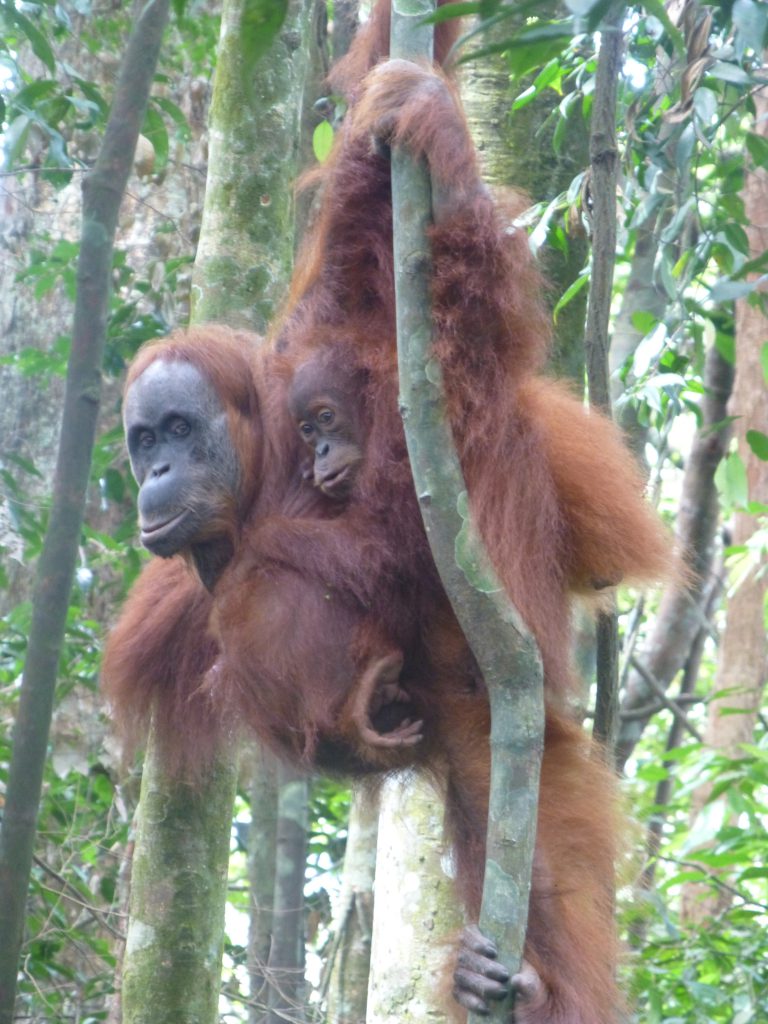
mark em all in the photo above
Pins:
pixel 505 650
pixel 603 155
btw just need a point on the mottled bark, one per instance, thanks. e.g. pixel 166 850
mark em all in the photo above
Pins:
pixel 416 913
pixel 102 195
pixel 506 652
pixel 254 152
pixel 176 928
pixel 680 613
pixel 350 958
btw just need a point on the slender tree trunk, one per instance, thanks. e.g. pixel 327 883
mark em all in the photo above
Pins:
pixel 285 970
pixel 103 191
pixel 350 961
pixel 681 611
pixel 262 861
pixel 506 651
pixel 179 884
pixel 743 658
pixel 603 155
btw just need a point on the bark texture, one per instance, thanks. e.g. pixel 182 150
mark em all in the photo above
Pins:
pixel 353 926
pixel 285 970
pixel 416 913
pixel 604 157
pixel 505 650
pixel 262 851
pixel 254 147
pixel 176 929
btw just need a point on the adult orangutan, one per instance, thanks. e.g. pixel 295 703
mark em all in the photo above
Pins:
pixel 219 462
pixel 308 635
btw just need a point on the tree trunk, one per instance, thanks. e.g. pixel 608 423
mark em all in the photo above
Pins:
pixel 350 961
pixel 506 651
pixel 262 854
pixel 416 912
pixel 604 158
pixel 179 884
pixel 680 613
pixel 286 998
pixel 237 216
pixel 254 152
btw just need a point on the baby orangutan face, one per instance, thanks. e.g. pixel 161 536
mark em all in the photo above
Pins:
pixel 325 413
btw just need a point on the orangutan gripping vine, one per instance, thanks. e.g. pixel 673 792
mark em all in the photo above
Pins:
pixel 296 592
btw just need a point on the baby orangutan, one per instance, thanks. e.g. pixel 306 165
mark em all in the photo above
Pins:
pixel 323 403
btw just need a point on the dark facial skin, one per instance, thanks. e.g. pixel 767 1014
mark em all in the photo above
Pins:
pixel 328 426
pixel 184 462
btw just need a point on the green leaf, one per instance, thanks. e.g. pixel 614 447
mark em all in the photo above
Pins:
pixel 154 129
pixel 750 20
pixel 727 291
pixel 758 442
pixel 732 73
pixel 175 113
pixel 570 292
pixel 322 140
pixel 731 480
pixel 455 10
pixel 758 148
pixel 726 346
pixel 40 46
pixel 643 321
pixel 30 95
pixel 737 238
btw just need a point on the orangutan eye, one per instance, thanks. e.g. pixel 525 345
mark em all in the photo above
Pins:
pixel 306 430
pixel 179 427
pixel 326 417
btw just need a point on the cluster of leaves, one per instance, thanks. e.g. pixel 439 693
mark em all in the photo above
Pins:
pixel 48 105
pixel 681 975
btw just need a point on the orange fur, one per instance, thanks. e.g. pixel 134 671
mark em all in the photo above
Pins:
pixel 312 591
